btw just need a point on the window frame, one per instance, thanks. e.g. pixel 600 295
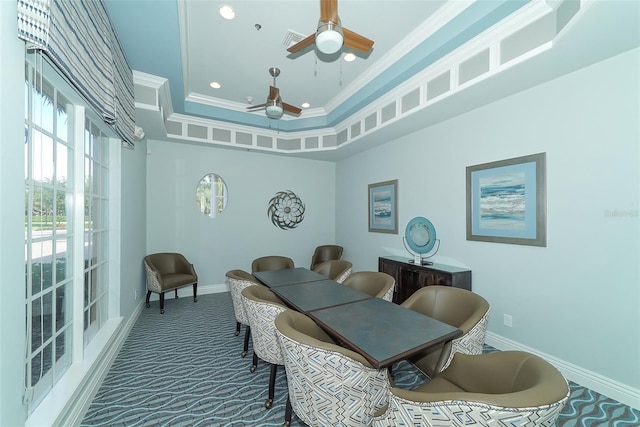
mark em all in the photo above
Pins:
pixel 84 350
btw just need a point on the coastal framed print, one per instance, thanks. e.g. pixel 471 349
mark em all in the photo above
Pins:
pixel 507 202
pixel 383 207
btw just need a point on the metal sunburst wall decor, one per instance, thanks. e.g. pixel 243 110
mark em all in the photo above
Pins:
pixel 286 210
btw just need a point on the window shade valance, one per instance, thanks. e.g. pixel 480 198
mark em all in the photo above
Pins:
pixel 78 38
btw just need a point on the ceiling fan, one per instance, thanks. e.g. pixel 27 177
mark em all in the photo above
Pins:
pixel 274 107
pixel 331 35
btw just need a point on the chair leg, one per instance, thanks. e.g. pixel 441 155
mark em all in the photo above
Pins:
pixel 176 293
pixel 161 302
pixel 237 332
pixel 195 292
pixel 272 386
pixel 147 301
pixel 287 413
pixel 247 335
pixel 255 362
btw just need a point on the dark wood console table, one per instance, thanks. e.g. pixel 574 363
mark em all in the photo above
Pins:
pixel 411 277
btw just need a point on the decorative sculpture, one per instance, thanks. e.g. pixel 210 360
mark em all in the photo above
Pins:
pixel 286 210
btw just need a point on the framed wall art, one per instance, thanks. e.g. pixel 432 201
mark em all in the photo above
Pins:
pixel 506 201
pixel 383 207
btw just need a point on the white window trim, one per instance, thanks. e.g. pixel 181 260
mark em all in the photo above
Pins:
pixel 72 393
pixel 89 365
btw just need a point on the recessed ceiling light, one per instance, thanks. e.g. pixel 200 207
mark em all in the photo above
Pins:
pixel 305 105
pixel 215 85
pixel 227 12
pixel 349 57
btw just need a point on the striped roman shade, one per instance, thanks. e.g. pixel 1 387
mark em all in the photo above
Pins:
pixel 78 38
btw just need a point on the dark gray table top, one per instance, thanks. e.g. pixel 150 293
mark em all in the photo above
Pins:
pixel 383 332
pixel 275 278
pixel 308 296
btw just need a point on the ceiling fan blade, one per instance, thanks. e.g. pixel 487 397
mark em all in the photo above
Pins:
pixel 356 41
pixel 302 44
pixel 291 109
pixel 253 107
pixel 329 11
pixel 274 93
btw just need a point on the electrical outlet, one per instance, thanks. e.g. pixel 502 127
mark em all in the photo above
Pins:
pixel 508 320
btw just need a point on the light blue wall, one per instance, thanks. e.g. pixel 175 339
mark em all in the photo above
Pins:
pixel 576 299
pixel 243 231
pixel 12 309
pixel 133 227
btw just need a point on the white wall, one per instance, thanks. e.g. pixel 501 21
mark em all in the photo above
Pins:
pixel 133 227
pixel 12 308
pixel 243 231
pixel 576 299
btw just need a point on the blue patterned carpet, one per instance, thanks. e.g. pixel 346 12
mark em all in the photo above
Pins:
pixel 183 368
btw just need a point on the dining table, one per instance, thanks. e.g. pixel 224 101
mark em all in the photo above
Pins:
pixel 287 276
pixel 309 296
pixel 381 331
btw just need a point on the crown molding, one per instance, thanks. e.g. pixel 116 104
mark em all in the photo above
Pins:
pixel 402 101
pixel 447 12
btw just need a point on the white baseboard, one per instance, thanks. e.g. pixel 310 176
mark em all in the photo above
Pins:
pixel 213 289
pixel 613 389
pixel 186 291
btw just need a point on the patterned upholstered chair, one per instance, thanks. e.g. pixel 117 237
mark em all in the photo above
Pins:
pixel 336 269
pixel 273 262
pixel 329 385
pixel 237 280
pixel 325 253
pixel 375 283
pixel 463 309
pixel 262 307
pixel 167 272
pixel 504 388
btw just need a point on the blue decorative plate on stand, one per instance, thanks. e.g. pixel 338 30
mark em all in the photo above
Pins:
pixel 420 236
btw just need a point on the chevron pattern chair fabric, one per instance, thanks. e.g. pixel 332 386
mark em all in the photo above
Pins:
pixel 463 309
pixel 328 384
pixel 237 280
pixel 511 388
pixel 262 307
pixel 470 343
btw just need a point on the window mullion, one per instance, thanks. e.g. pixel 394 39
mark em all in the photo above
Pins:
pixel 78 232
pixel 114 228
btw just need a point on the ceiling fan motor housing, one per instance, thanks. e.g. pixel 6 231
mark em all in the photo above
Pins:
pixel 329 37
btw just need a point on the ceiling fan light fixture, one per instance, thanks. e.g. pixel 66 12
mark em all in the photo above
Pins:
pixel 329 38
pixel 274 109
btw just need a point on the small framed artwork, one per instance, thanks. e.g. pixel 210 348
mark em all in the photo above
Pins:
pixel 507 202
pixel 383 207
